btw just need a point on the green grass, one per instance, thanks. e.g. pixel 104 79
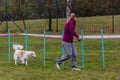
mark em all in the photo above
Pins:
pixel 36 71
pixel 93 61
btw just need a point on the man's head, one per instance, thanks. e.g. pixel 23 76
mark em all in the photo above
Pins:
pixel 72 15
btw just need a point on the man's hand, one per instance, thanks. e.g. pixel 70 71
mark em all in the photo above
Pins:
pixel 80 39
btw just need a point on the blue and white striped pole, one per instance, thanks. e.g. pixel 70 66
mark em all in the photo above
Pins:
pixel 8 46
pixel 103 60
pixel 82 46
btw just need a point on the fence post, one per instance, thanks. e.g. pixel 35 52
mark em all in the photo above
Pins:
pixel 103 60
pixel 82 47
pixel 44 63
pixel 8 46
pixel 62 47
pixel 26 40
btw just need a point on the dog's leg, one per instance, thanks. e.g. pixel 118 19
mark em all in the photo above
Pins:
pixel 15 58
pixel 22 60
pixel 15 61
pixel 26 62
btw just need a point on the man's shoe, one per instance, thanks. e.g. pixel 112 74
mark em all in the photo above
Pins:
pixel 58 65
pixel 75 68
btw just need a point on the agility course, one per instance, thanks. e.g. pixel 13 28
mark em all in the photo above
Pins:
pixel 101 36
pixel 38 25
pixel 58 36
pixel 97 52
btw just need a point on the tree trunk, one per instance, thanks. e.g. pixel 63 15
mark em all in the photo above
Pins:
pixel 50 19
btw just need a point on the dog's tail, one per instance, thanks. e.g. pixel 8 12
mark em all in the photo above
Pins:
pixel 17 46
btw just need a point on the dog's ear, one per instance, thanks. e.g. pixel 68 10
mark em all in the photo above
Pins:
pixel 33 54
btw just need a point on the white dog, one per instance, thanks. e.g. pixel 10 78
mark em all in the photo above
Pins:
pixel 22 55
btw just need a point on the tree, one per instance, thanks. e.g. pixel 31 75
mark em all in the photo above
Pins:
pixel 50 7
pixel 34 9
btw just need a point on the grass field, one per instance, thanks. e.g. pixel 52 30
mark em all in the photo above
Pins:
pixel 36 71
pixel 89 24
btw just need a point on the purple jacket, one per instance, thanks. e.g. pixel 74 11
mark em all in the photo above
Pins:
pixel 69 31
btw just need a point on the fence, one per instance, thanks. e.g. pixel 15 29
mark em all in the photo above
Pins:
pixel 91 47
pixel 38 15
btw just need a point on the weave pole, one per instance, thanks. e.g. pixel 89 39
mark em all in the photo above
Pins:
pixel 26 40
pixel 82 47
pixel 8 46
pixel 44 62
pixel 63 47
pixel 103 60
